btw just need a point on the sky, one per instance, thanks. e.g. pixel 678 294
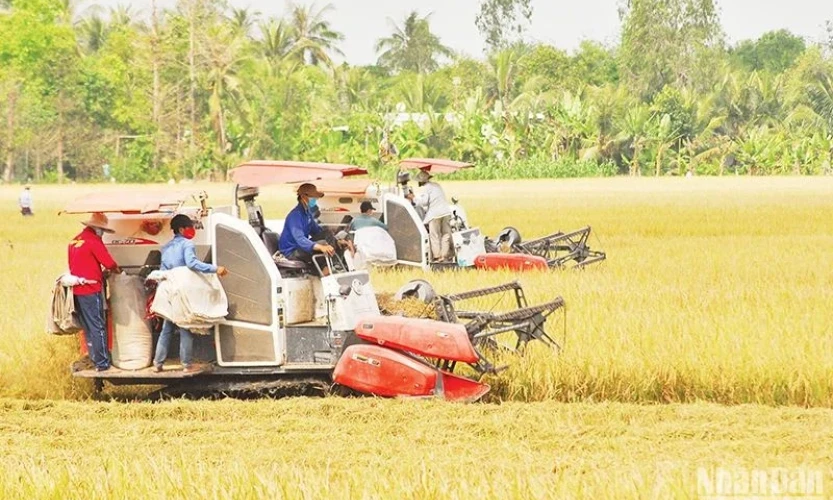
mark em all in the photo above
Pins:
pixel 561 23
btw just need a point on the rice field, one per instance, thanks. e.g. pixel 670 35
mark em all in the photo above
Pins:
pixel 703 341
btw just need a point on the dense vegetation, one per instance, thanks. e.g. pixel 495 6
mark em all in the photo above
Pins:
pixel 190 91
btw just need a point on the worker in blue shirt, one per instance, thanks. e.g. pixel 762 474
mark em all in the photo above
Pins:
pixel 179 252
pixel 298 228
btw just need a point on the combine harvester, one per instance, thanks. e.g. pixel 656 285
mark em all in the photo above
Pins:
pixel 287 329
pixel 472 249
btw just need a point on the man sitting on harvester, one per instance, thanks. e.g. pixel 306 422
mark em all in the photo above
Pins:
pixel 300 227
pixel 179 252
pixel 373 244
pixel 366 219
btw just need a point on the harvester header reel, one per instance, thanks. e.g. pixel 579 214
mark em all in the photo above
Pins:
pixel 526 321
pixel 560 250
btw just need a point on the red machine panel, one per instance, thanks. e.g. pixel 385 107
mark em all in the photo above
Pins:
pixel 379 371
pixel 513 261
pixel 426 337
pixel 376 370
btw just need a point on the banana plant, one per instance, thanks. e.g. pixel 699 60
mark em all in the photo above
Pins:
pixel 662 135
pixel 634 129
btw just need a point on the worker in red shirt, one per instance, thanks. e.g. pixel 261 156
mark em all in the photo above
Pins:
pixel 87 256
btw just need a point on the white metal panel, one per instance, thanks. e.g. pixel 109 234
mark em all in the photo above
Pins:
pixel 407 230
pixel 270 273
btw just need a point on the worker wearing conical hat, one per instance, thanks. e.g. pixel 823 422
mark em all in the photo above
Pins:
pixel 437 211
pixel 87 256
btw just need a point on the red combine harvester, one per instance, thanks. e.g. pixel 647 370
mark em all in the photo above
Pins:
pixel 288 330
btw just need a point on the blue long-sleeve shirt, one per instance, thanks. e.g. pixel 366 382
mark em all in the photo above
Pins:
pixel 297 228
pixel 179 252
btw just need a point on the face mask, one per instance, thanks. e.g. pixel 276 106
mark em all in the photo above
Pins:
pixel 98 232
pixel 189 233
pixel 313 202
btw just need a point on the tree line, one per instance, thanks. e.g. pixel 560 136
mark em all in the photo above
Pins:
pixel 190 91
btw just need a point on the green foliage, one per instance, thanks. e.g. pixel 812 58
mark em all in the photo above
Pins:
pixel 411 47
pixel 540 168
pixel 774 51
pixel 595 64
pixel 502 22
pixel 198 88
pixel 662 42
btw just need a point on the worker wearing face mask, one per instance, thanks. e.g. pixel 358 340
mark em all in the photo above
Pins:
pixel 300 227
pixel 87 255
pixel 179 252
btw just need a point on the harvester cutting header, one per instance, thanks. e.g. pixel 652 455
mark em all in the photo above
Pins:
pixel 289 324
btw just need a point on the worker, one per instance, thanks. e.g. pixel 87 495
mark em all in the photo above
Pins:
pixel 179 252
pixel 25 201
pixel 300 227
pixel 366 218
pixel 437 216
pixel 87 255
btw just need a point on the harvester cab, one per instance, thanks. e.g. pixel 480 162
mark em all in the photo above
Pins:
pixel 288 329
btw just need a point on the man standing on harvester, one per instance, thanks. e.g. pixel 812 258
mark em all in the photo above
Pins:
pixel 437 216
pixel 179 252
pixel 87 255
pixel 300 226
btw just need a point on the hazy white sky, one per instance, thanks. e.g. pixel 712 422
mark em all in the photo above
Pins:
pixel 558 22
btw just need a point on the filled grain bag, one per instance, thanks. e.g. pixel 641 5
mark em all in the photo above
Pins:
pixel 132 337
pixel 374 246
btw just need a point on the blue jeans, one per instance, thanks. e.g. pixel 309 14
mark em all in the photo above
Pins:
pixel 186 344
pixel 90 311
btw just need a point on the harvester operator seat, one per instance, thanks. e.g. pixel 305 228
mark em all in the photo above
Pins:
pixel 288 268
pixel 270 239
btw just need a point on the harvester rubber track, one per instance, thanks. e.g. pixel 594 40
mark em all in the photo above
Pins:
pixel 244 389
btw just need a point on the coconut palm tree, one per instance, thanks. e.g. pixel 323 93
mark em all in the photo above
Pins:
pixel 411 46
pixel 420 94
pixel 92 33
pixel 358 88
pixel 275 41
pixel 224 55
pixel 121 16
pixel 93 29
pixel 820 97
pixel 243 19
pixel 314 38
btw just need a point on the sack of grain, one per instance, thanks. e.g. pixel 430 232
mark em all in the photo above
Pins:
pixel 132 337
